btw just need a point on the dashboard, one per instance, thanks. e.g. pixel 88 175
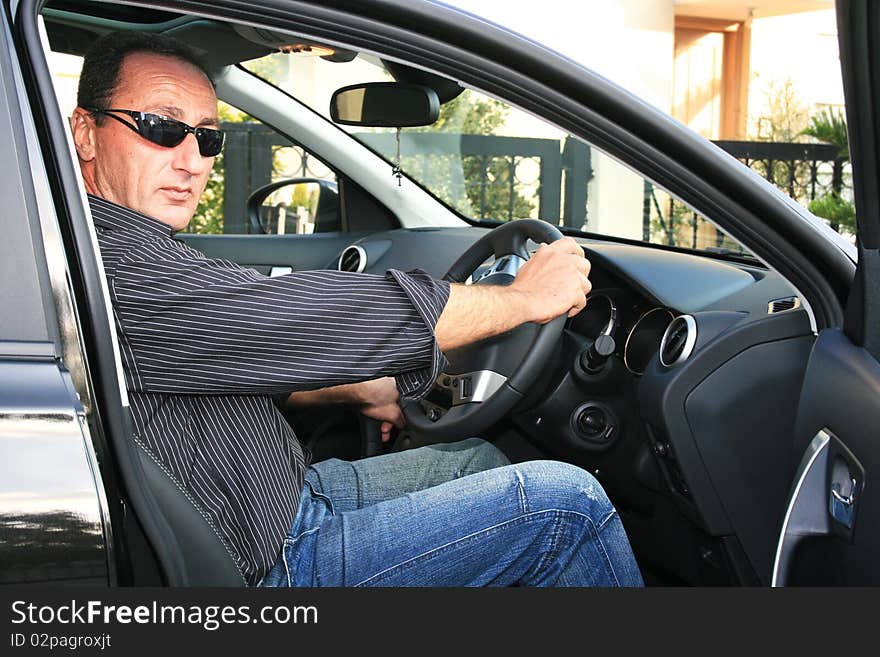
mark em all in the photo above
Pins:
pixel 675 386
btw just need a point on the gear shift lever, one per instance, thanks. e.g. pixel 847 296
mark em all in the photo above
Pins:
pixel 593 359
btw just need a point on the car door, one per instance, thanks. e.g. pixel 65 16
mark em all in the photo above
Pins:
pixel 54 515
pixel 831 528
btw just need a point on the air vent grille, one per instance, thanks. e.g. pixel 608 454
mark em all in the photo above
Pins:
pixel 781 305
pixel 353 258
pixel 678 340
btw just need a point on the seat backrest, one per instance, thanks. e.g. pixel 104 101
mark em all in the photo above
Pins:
pixel 207 560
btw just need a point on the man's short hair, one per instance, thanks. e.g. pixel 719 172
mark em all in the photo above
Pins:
pixel 103 61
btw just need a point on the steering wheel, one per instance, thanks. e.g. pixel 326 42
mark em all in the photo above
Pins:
pixel 486 379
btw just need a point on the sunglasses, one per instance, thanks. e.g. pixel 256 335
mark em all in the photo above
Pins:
pixel 167 132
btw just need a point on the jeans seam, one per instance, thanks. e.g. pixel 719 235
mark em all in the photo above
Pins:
pixel 358 487
pixel 553 551
pixel 321 496
pixel 383 574
pixel 601 544
pixel 521 489
pixel 605 520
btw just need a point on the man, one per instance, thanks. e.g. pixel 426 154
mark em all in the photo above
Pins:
pixel 205 344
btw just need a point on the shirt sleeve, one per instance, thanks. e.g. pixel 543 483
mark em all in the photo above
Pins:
pixel 195 325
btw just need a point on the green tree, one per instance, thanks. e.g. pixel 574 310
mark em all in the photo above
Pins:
pixel 839 212
pixel 830 126
pixel 487 181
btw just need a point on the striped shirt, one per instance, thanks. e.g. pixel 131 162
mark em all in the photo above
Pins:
pixel 205 344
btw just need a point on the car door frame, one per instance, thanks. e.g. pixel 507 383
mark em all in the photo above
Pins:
pixel 145 550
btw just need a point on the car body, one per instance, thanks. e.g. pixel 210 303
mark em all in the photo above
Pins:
pixel 730 420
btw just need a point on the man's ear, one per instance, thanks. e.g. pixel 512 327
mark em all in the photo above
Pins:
pixel 82 124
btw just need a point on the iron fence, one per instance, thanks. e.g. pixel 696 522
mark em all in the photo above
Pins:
pixel 482 176
pixel 805 172
pixel 503 178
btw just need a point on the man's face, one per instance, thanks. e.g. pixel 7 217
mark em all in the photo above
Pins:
pixel 121 166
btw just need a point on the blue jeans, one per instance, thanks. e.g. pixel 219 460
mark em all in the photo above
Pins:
pixel 453 515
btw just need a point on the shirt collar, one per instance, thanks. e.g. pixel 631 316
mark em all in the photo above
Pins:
pixel 107 214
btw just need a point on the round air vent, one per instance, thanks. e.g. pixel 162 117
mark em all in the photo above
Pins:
pixel 678 340
pixel 353 258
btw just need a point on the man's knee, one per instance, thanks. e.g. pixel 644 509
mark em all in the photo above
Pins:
pixel 556 485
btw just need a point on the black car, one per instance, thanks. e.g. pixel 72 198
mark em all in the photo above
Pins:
pixel 724 390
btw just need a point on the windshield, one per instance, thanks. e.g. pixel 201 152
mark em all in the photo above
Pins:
pixel 489 161
pixel 782 116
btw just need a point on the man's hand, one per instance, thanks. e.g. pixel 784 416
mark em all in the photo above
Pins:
pixel 555 281
pixel 381 403
pixel 376 399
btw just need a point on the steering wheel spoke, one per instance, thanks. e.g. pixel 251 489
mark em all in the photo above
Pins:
pixel 507 266
pixel 470 387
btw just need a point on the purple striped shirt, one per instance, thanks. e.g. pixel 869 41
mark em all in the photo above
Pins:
pixel 205 343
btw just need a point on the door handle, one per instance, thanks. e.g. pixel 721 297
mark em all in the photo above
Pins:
pixel 846 479
pixel 846 501
pixel 823 500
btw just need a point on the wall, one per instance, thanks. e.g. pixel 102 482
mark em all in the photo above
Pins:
pixel 798 47
pixel 629 42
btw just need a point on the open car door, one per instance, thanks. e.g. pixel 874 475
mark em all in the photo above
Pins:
pixel 831 529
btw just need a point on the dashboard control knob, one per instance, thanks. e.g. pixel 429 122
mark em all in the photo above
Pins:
pixel 593 359
pixel 594 425
pixel 592 422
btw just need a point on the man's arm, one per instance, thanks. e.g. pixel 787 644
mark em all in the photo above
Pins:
pixel 553 282
pixel 376 399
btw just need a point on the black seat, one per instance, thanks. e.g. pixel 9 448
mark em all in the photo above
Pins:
pixel 207 560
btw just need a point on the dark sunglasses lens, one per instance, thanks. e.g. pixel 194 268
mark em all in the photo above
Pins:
pixel 210 141
pixel 170 132
pixel 161 131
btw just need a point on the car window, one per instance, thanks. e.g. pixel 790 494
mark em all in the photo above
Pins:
pixel 761 80
pixel 255 159
pixel 490 161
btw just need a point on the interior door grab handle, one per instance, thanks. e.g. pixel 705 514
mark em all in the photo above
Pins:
pixel 850 499
pixel 819 503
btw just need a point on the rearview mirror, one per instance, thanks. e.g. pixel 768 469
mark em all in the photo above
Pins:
pixel 385 105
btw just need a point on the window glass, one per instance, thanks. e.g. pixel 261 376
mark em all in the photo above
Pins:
pixel 254 157
pixel 489 161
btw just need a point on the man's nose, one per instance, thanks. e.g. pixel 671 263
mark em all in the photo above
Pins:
pixel 188 157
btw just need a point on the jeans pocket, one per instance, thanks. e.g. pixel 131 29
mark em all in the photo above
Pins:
pixel 299 557
pixel 320 496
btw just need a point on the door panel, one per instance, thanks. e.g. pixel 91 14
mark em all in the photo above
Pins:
pixel 53 514
pixel 834 517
